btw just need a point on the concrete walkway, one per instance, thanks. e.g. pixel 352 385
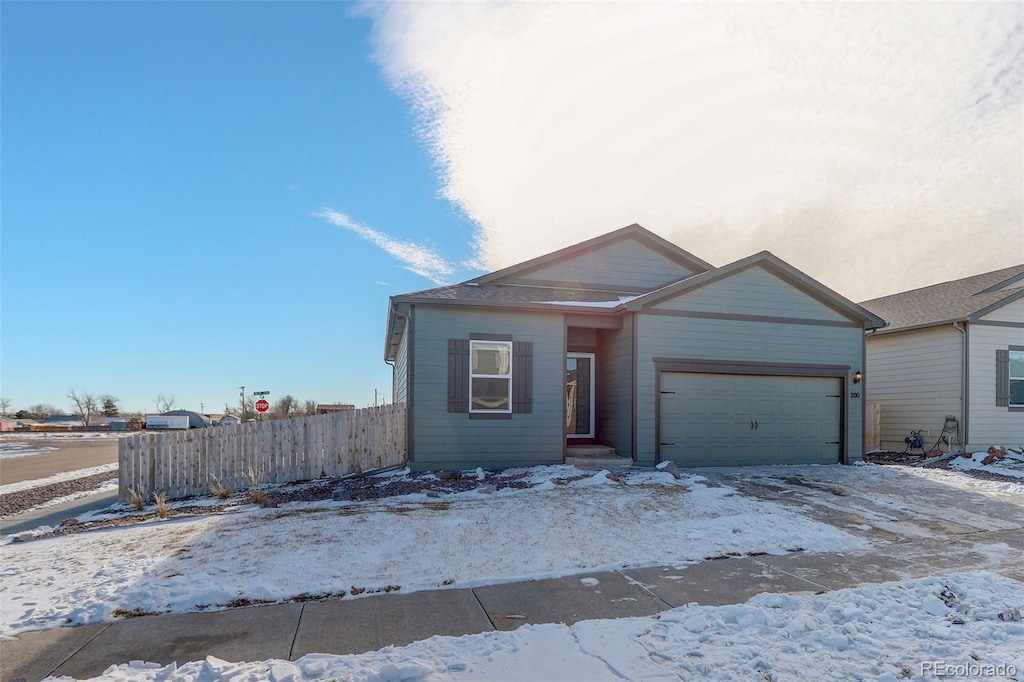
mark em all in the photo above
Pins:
pixel 53 515
pixel 289 631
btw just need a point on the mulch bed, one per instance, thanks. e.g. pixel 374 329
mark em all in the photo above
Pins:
pixel 908 459
pixel 359 489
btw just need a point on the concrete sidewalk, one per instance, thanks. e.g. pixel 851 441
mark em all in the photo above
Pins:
pixel 289 631
pixel 53 515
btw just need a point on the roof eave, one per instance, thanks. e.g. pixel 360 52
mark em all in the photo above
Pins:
pixel 535 306
pixel 677 253
pixel 804 281
pixel 397 316
pixel 978 314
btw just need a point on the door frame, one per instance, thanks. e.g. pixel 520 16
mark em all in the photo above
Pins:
pixel 593 392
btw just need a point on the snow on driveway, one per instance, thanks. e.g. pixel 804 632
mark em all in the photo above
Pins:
pixel 963 625
pixel 413 542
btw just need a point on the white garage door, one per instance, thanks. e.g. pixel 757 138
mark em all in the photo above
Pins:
pixel 735 419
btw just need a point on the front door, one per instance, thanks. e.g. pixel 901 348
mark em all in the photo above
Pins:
pixel 579 395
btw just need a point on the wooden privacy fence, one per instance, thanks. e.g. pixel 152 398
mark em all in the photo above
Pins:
pixel 184 463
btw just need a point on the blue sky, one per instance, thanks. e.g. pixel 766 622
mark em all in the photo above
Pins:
pixel 200 196
pixel 161 166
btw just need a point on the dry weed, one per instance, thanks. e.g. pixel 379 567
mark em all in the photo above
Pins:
pixel 161 504
pixel 137 500
pixel 256 495
pixel 219 490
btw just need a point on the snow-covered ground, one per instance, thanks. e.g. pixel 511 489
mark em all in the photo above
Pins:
pixel 1010 465
pixel 963 625
pixel 413 542
pixel 23 448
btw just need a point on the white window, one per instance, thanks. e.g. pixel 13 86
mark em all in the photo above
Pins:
pixel 1017 378
pixel 490 376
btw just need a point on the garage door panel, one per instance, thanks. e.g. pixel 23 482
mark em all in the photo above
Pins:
pixel 727 419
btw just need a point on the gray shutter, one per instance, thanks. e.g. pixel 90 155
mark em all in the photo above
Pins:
pixel 458 375
pixel 1002 378
pixel 522 377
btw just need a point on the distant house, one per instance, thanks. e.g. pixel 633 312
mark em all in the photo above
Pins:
pixel 954 349
pixel 327 408
pixel 229 420
pixel 626 345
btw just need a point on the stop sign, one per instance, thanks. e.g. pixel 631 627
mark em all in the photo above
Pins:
pixel 262 405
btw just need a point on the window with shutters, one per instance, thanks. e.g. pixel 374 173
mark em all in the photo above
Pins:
pixel 1016 378
pixel 490 376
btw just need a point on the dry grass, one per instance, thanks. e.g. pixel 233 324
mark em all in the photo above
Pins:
pixel 219 490
pixel 256 496
pixel 137 501
pixel 161 505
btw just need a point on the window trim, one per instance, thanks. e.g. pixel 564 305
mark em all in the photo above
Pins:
pixel 1011 351
pixel 507 377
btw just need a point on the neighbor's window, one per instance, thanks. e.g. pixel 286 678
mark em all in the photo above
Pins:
pixel 1017 378
pixel 490 376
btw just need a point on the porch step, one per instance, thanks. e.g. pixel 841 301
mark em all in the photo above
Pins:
pixel 595 456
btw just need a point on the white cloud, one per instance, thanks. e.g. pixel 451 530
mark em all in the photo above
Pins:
pixel 415 258
pixel 876 146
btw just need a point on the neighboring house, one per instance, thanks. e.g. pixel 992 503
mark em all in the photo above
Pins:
pixel 229 420
pixel 953 349
pixel 626 344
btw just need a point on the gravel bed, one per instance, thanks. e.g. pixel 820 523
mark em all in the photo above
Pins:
pixel 16 502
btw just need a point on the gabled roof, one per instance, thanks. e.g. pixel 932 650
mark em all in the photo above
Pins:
pixel 775 265
pixel 962 300
pixel 634 231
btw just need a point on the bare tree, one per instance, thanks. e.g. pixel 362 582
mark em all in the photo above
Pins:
pixel 5 405
pixel 109 405
pixel 164 403
pixel 38 411
pixel 84 405
pixel 286 406
pixel 309 407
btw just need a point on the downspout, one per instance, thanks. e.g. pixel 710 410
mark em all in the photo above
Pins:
pixel 963 384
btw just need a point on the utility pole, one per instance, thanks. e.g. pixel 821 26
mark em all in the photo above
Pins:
pixel 202 408
pixel 375 397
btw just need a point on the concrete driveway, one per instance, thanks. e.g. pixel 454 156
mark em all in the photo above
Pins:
pixel 908 514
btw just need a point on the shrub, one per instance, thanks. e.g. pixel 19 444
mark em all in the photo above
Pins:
pixel 219 490
pixel 161 504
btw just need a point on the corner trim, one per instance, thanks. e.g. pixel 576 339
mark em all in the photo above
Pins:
pixel 410 398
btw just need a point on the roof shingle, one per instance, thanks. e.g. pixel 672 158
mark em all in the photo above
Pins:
pixel 947 302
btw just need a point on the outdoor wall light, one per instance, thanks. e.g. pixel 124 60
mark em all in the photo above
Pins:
pixel 857 376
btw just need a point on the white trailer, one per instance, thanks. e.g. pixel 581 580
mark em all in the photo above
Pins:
pixel 164 422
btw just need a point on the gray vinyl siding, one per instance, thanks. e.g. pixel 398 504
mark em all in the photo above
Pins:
pixel 686 338
pixel 400 373
pixel 446 440
pixel 916 377
pixel 754 291
pixel 626 263
pixel 615 387
pixel 987 423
